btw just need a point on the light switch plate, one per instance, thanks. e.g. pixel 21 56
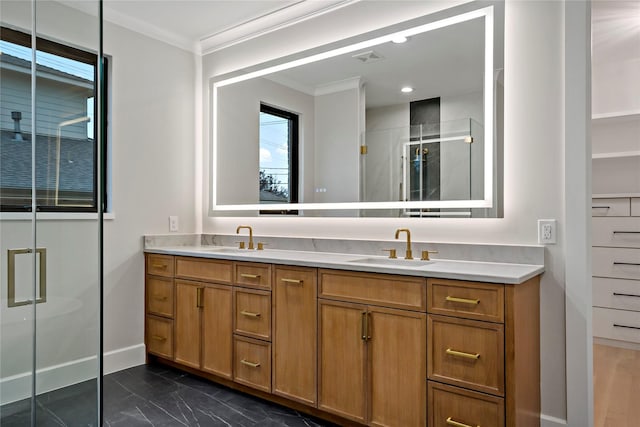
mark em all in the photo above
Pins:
pixel 173 223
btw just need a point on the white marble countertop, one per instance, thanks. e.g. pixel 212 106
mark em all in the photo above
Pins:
pixel 495 272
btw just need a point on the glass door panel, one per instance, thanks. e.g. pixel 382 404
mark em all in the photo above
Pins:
pixel 50 224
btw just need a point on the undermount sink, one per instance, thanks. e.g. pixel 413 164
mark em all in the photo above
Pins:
pixel 227 250
pixel 390 262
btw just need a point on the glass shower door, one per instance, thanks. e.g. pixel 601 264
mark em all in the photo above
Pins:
pixel 50 219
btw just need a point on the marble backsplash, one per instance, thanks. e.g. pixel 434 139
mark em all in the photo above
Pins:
pixel 518 254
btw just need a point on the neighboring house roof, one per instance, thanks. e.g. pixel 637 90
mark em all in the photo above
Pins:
pixel 76 163
pixel 6 59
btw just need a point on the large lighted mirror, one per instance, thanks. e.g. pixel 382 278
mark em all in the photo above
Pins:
pixel 403 122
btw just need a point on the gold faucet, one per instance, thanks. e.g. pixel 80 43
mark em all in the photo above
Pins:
pixel 250 234
pixel 408 254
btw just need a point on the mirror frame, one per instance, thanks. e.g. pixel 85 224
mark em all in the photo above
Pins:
pixel 440 19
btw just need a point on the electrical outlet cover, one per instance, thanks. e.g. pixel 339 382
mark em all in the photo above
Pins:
pixel 547 230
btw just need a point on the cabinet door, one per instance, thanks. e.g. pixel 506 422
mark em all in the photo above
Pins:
pixel 294 335
pixel 397 350
pixel 217 330
pixel 342 359
pixel 187 324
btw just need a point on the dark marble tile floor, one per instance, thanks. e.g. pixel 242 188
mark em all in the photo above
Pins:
pixel 154 395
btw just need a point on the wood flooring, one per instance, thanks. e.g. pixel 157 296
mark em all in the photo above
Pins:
pixel 616 386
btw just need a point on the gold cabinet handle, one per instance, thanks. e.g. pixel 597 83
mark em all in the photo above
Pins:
pixel 249 314
pixel 457 424
pixel 159 338
pixel 294 281
pixel 249 276
pixel 159 265
pixel 364 326
pixel 159 298
pixel 250 364
pixel 462 300
pixel 199 298
pixel 475 356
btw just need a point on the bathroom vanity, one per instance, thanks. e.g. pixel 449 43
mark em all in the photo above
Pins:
pixel 357 340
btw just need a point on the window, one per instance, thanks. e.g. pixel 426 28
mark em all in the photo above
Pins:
pixel 65 134
pixel 278 157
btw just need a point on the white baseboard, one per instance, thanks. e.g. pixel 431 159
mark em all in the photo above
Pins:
pixel 549 421
pixel 18 387
pixel 123 358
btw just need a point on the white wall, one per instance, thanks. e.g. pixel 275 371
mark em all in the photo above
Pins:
pixel 533 135
pixel 152 156
pixel 337 140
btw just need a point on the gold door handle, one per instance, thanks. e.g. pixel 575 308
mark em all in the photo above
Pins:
pixel 364 326
pixel 474 356
pixel 250 364
pixel 462 300
pixel 294 281
pixel 457 424
pixel 200 297
pixel 159 338
pixel 249 276
pixel 249 314
pixel 159 265
pixel 159 298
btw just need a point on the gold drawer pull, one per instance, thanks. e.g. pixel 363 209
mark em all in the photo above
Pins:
pixel 160 265
pixel 159 298
pixel 475 356
pixel 249 314
pixel 295 281
pixel 250 364
pixel 249 276
pixel 159 338
pixel 463 300
pixel 457 424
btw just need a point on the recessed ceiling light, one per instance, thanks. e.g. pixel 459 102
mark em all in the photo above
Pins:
pixel 406 89
pixel 399 39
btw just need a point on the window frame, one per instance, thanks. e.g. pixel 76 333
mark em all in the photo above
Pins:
pixel 294 157
pixel 48 46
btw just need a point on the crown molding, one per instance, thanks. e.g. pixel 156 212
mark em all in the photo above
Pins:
pixel 270 22
pixel 133 24
pixel 150 30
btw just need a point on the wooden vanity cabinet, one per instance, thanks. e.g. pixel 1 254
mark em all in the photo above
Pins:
pixel 295 331
pixel 483 353
pixel 372 359
pixel 357 348
pixel 159 301
pixel 203 316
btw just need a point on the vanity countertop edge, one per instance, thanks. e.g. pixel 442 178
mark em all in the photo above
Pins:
pixel 491 272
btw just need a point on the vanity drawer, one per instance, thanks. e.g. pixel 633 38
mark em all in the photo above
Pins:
pixel 160 336
pixel 204 269
pixel 616 293
pixel 616 232
pixel 376 289
pixel 466 353
pixel 480 301
pixel 160 265
pixel 635 206
pixel 622 263
pixel 450 405
pixel 160 296
pixel 252 313
pixel 295 276
pixel 252 363
pixel 252 274
pixel 616 324
pixel 611 207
